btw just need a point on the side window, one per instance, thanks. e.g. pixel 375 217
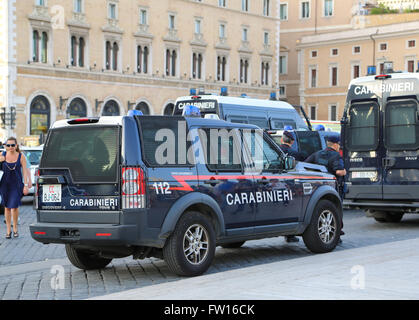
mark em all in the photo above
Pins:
pixel 264 156
pixel 221 149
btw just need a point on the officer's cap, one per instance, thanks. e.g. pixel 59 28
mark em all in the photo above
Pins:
pixel 289 135
pixel 333 139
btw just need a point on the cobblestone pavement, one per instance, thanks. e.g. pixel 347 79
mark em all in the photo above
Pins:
pixel 26 265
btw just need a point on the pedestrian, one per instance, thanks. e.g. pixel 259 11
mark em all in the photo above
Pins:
pixel 12 185
pixel 332 160
pixel 287 141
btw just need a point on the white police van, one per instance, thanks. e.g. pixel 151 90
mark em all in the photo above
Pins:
pixel 380 132
pixel 266 114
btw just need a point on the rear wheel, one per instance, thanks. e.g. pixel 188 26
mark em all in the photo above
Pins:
pixel 85 260
pixel 389 217
pixel 323 233
pixel 190 248
pixel 233 245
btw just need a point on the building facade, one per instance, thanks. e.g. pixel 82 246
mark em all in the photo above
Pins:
pixel 77 58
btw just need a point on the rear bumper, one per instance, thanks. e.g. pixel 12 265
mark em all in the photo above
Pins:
pixel 84 234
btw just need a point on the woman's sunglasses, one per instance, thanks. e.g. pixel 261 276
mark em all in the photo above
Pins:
pixel 11 145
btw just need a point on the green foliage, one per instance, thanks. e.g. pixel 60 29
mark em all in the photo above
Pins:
pixel 381 9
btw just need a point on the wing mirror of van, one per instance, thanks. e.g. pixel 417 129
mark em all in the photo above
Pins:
pixel 289 163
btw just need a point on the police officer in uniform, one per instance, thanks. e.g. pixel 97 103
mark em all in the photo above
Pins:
pixel 287 141
pixel 331 159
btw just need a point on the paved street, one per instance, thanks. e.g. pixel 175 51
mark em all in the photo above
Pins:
pixel 25 265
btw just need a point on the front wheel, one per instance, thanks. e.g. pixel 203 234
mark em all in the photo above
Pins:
pixel 323 233
pixel 85 260
pixel 190 248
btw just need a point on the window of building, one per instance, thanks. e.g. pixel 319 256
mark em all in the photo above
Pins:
pixel 171 61
pixel 411 43
pixel 78 45
pixel 168 109
pixel 356 49
pixel 266 8
pixel 355 71
pixel 40 46
pixel 332 112
pixel 334 52
pixel 283 11
pixel 411 66
pixel 266 38
pixel 76 109
pixel 112 10
pixel 282 64
pixel 334 76
pixel 244 34
pixel 221 68
pixel 265 73
pixel 111 55
pixel 197 26
pixel 245 5
pixel 78 6
pixel 142 58
pixel 244 70
pixel 40 3
pixel 222 3
pixel 143 17
pixel 328 8
pixel 383 46
pixel 222 31
pixel 314 54
pixel 143 107
pixel 313 112
pixel 381 68
pixel 282 91
pixel 39 115
pixel 197 61
pixel 171 21
pixel 111 108
pixel 313 77
pixel 305 10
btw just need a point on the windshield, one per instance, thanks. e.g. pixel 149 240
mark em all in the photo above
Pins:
pixel 91 153
pixel 363 126
pixel 401 125
pixel 33 156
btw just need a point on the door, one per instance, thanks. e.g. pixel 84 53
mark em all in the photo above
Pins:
pixel 364 154
pixel 221 177
pixel 400 163
pixel 278 195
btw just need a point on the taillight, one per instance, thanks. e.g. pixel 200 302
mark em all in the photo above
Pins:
pixel 133 188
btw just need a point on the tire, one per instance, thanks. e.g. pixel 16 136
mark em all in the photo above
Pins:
pixel 390 217
pixel 233 245
pixel 85 260
pixel 323 233
pixel 190 248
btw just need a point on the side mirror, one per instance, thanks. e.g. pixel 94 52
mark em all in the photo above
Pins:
pixel 289 163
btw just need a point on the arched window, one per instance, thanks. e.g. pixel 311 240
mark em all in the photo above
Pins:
pixel 168 109
pixel 143 107
pixel 39 115
pixel 77 109
pixel 111 108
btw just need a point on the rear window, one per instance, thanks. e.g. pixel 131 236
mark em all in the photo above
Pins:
pixel 33 156
pixel 280 124
pixel 164 142
pixel 401 125
pixel 363 126
pixel 91 153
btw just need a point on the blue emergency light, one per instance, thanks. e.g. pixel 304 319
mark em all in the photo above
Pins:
pixel 132 113
pixel 288 128
pixel 224 91
pixel 191 111
pixel 192 92
pixel 372 70
pixel 272 96
pixel 319 127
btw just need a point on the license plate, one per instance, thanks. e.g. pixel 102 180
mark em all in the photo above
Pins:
pixel 364 175
pixel 51 193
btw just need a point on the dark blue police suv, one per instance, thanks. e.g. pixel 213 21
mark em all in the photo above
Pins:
pixel 175 188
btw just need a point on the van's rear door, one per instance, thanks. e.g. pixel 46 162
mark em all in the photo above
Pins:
pixel 79 169
pixel 401 141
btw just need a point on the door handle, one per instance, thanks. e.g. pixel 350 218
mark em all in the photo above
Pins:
pixel 212 182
